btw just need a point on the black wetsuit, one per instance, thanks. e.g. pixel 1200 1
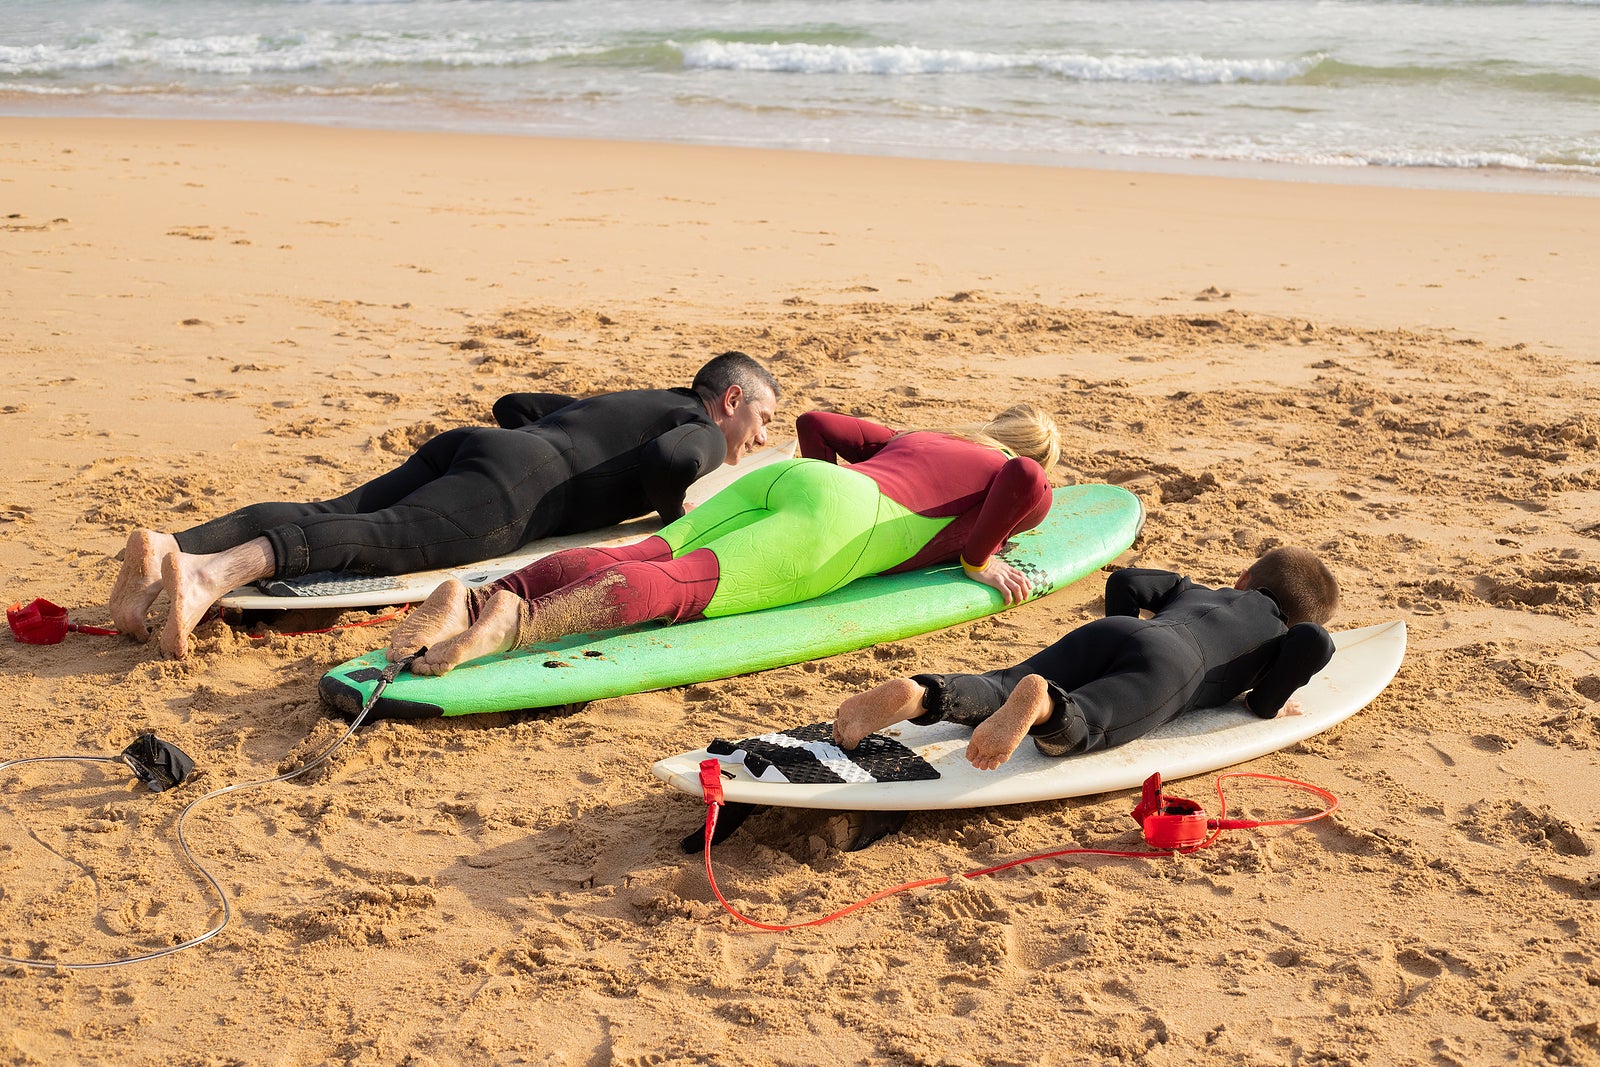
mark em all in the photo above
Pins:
pixel 1120 677
pixel 554 465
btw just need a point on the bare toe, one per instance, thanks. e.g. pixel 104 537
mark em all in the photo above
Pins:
pixel 996 738
pixel 879 707
pixel 175 631
pixel 495 631
pixel 443 615
pixel 137 586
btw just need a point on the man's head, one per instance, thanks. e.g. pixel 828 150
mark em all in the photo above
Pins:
pixel 741 396
pixel 1300 582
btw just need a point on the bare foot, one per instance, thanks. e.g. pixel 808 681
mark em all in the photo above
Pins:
pixel 139 581
pixel 884 705
pixel 997 737
pixel 194 582
pixel 495 631
pixel 185 609
pixel 442 615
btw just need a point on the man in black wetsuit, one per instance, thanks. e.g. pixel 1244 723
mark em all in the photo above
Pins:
pixel 1119 677
pixel 553 465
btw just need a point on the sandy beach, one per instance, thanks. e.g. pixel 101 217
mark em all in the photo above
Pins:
pixel 201 315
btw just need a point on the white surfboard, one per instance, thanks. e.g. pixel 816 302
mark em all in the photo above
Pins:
pixel 1199 741
pixel 371 591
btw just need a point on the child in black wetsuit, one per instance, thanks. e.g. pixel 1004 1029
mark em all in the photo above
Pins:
pixel 1120 677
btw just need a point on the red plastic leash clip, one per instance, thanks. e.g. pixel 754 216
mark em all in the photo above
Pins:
pixel 44 623
pixel 1169 822
pixel 1176 823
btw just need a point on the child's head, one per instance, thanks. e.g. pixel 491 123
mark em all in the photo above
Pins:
pixel 1300 582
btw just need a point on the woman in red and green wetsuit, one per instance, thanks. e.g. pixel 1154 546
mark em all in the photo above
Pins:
pixel 784 533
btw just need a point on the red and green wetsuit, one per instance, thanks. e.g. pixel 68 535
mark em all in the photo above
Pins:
pixel 794 530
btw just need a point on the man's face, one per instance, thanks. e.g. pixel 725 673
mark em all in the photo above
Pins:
pixel 744 421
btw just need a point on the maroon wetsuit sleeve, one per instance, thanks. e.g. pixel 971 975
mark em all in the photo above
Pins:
pixel 1018 499
pixel 829 436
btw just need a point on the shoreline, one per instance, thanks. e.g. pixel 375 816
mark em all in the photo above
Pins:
pixel 1532 181
pixel 205 315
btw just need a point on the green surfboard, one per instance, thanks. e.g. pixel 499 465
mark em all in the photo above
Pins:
pixel 1088 526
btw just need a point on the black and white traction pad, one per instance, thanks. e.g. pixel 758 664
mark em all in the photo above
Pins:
pixel 325 583
pixel 807 756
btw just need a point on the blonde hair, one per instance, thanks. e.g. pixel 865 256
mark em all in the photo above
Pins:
pixel 1021 429
pixel 1026 430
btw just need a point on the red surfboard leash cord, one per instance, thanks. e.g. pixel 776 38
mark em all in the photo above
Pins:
pixel 1172 826
pixel 45 623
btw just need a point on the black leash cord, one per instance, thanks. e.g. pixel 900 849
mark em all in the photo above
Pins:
pixel 389 674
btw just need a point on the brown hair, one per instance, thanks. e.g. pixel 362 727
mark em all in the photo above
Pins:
pixel 1301 583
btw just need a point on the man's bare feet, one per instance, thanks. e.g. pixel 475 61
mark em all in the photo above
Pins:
pixel 442 615
pixel 881 706
pixel 495 631
pixel 185 608
pixel 997 737
pixel 193 583
pixel 139 581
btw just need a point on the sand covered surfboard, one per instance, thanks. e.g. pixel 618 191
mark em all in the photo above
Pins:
pixel 1197 742
pixel 1088 526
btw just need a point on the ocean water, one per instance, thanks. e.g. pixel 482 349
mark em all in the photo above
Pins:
pixel 1490 92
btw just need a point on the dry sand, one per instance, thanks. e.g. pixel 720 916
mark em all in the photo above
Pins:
pixel 198 316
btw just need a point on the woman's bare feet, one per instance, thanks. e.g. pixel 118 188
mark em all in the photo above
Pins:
pixel 495 631
pixel 139 581
pixel 193 583
pixel 881 706
pixel 442 615
pixel 997 737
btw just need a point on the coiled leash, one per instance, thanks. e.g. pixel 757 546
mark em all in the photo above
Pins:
pixel 161 765
pixel 1172 826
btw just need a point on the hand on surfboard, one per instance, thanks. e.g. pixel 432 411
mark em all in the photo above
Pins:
pixel 996 573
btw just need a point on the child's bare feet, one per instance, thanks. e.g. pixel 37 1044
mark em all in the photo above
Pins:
pixel 443 615
pixel 881 706
pixel 997 737
pixel 495 631
pixel 139 581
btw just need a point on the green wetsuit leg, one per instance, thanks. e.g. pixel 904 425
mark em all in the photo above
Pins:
pixel 795 530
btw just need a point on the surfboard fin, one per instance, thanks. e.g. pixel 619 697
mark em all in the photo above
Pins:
pixel 729 818
pixel 873 826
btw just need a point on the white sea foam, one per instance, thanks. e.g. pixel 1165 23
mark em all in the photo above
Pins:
pixel 1493 85
pixel 255 53
pixel 906 60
